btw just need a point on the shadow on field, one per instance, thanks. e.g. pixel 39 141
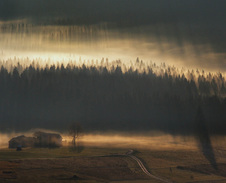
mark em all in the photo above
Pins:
pixel 203 137
pixel 206 169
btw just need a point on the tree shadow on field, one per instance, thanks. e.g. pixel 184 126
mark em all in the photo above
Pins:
pixel 203 137
pixel 78 148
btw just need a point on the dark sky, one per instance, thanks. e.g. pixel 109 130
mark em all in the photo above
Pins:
pixel 130 12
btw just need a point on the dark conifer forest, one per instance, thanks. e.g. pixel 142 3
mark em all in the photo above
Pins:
pixel 101 99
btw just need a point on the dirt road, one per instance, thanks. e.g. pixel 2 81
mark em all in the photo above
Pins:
pixel 143 168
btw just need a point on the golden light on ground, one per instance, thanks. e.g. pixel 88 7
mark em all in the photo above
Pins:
pixel 161 141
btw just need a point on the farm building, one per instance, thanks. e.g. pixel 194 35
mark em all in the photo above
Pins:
pixel 48 139
pixel 39 139
pixel 22 141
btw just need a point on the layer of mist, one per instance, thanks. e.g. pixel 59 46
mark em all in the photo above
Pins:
pixel 161 42
pixel 151 140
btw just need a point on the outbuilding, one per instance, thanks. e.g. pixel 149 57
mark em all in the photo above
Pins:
pixel 39 139
pixel 22 141
pixel 48 139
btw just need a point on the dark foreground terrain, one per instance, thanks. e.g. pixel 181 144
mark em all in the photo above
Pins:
pixel 106 165
pixel 80 169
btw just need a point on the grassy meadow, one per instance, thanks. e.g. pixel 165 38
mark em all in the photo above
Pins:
pixel 102 164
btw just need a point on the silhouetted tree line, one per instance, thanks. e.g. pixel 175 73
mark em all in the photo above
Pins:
pixel 103 99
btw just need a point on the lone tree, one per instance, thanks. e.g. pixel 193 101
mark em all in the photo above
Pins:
pixel 75 131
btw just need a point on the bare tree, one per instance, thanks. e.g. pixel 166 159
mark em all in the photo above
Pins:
pixel 75 131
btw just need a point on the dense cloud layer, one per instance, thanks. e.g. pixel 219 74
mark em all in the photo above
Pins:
pixel 117 11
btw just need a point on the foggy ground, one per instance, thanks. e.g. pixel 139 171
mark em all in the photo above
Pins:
pixel 146 140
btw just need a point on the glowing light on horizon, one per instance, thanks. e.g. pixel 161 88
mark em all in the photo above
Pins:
pixel 64 44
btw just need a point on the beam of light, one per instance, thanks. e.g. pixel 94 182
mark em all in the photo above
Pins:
pixel 159 43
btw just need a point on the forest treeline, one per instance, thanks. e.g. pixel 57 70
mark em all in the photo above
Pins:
pixel 102 99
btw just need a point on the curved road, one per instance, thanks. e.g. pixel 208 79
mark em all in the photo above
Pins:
pixel 143 168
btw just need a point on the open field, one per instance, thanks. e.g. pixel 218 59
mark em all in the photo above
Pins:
pixel 107 165
pixel 64 152
pixel 184 166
